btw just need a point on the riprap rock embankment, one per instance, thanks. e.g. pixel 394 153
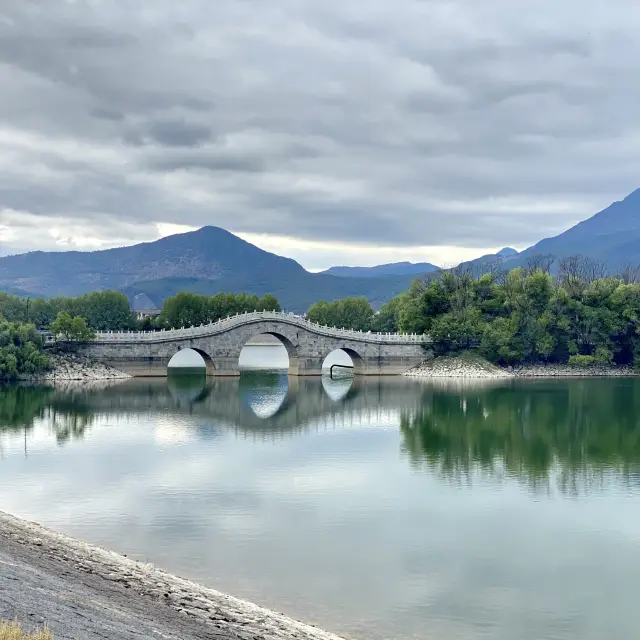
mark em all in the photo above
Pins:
pixel 83 591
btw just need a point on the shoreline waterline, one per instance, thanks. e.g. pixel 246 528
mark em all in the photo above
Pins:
pixel 475 367
pixel 124 583
pixel 76 367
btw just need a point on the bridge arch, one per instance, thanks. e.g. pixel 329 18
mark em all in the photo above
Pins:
pixel 275 338
pixel 337 361
pixel 209 366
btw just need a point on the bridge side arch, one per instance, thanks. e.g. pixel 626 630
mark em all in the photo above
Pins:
pixel 356 358
pixel 208 360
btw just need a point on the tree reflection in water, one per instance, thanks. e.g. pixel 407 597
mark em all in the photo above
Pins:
pixel 67 413
pixel 580 429
pixel 578 432
pixel 187 389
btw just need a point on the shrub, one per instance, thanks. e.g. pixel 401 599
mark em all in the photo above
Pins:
pixel 582 361
pixel 13 631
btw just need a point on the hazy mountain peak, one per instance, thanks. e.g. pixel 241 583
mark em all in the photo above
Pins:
pixel 390 269
pixel 611 235
pixel 507 252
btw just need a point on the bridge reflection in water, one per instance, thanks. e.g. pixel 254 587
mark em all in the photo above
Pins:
pixel 581 431
pixel 270 402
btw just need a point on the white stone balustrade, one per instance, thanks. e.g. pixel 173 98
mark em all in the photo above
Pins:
pixel 230 322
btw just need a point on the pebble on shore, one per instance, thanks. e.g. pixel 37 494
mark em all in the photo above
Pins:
pixel 72 366
pixel 567 371
pixel 476 367
pixel 457 367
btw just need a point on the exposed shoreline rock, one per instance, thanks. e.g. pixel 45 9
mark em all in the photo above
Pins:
pixel 567 371
pixel 72 366
pixel 464 366
pixel 81 590
pixel 475 367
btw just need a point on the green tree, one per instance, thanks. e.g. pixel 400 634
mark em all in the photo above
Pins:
pixel 320 313
pixel 13 308
pixel 190 309
pixel 269 302
pixel 386 320
pixel 348 313
pixel 184 310
pixel 21 350
pixel 71 329
pixel 105 310
pixel 457 330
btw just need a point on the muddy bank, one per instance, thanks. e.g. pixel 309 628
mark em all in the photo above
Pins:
pixel 70 366
pixel 82 591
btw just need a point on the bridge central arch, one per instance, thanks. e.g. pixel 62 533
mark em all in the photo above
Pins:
pixel 269 350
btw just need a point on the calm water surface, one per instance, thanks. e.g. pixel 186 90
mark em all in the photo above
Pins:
pixel 380 508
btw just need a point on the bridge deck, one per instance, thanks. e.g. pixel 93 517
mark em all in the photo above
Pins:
pixel 225 324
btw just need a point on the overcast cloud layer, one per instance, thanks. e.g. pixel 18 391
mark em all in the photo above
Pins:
pixel 452 125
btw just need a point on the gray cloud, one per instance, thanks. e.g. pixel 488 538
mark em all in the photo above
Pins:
pixel 178 133
pixel 441 123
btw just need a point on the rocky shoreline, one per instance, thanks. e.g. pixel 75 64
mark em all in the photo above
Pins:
pixel 83 591
pixel 478 368
pixel 567 371
pixel 457 367
pixel 72 366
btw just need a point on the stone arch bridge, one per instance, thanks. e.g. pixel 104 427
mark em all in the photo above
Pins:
pixel 220 343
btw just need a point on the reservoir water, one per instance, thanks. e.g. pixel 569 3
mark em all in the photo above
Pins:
pixel 376 508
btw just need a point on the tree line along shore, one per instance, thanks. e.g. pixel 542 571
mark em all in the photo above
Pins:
pixel 579 316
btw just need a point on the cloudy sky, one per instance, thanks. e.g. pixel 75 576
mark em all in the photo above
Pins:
pixel 333 132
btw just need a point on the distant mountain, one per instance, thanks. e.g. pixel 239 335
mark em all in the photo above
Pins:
pixel 612 235
pixel 296 293
pixel 507 252
pixel 142 302
pixel 486 262
pixel 209 260
pixel 392 269
pixel 14 291
pixel 209 252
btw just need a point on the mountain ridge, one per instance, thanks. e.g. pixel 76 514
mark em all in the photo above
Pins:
pixel 605 236
pixel 211 259
pixel 391 268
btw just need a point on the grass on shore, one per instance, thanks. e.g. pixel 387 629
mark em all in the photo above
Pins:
pixel 13 631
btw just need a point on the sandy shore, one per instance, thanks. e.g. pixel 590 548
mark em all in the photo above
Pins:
pixel 83 591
